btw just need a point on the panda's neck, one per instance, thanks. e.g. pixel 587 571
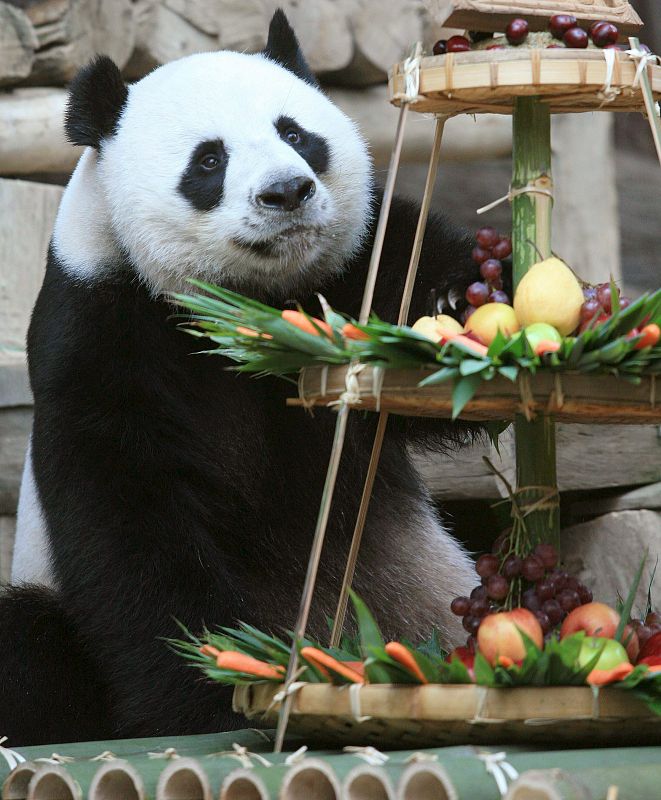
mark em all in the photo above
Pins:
pixel 82 238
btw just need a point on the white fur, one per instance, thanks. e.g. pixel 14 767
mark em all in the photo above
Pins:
pixel 132 191
pixel 31 561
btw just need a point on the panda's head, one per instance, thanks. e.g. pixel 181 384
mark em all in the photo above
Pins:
pixel 229 167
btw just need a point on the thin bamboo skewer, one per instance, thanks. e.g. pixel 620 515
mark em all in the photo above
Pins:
pixel 338 442
pixel 341 611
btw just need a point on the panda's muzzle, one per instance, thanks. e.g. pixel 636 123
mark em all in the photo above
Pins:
pixel 287 195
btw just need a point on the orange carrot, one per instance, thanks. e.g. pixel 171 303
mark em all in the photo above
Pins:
pixel 505 661
pixel 476 347
pixel 350 331
pixel 546 346
pixel 324 662
pixel 209 650
pixel 650 336
pixel 402 655
pixel 251 332
pixel 602 677
pixel 240 662
pixel 299 319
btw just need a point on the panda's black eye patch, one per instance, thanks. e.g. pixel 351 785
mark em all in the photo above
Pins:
pixel 203 181
pixel 310 146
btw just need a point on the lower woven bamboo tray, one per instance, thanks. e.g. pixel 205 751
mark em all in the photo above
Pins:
pixel 490 81
pixel 569 397
pixel 436 715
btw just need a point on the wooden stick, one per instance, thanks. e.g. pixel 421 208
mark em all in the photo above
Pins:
pixel 340 613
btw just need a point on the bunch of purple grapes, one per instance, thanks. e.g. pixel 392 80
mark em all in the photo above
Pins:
pixel 648 627
pixel 598 303
pixel 489 253
pixel 550 593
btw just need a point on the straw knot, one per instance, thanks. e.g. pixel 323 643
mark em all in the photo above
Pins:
pixel 12 757
pixel 542 185
pixel 371 755
pixel 497 765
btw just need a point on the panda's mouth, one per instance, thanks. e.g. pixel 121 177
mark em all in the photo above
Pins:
pixel 281 242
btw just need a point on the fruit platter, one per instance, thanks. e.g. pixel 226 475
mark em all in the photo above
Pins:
pixel 557 348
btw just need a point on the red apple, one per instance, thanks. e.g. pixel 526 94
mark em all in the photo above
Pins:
pixel 598 619
pixel 498 634
pixel 651 661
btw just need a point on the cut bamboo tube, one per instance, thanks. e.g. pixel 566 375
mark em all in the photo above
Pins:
pixel 368 783
pixel 531 240
pixel 426 781
pixel 15 786
pixel 53 782
pixel 243 784
pixel 313 779
pixel 117 780
pixel 183 779
pixel 593 783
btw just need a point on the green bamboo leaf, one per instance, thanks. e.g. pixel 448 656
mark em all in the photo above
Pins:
pixel 441 376
pixel 628 603
pixel 510 372
pixel 368 631
pixel 471 366
pixel 463 391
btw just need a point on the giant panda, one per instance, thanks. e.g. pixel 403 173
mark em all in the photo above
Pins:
pixel 161 486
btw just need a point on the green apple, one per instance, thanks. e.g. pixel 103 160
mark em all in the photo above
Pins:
pixel 541 332
pixel 612 655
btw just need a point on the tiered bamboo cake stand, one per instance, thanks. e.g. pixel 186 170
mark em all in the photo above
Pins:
pixel 530 84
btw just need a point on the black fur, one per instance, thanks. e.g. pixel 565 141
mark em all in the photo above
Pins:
pixel 97 96
pixel 310 146
pixel 201 186
pixel 282 46
pixel 173 488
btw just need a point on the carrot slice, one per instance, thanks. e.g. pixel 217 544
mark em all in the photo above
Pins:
pixel 324 662
pixel 250 332
pixel 299 319
pixel 602 677
pixel 402 655
pixel 240 662
pixel 350 331
pixel 476 347
pixel 505 661
pixel 209 650
pixel 650 336
pixel 547 346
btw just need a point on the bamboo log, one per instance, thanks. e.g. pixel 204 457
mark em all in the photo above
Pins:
pixel 531 239
pixel 594 783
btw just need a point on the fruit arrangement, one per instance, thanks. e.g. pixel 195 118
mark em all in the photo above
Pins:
pixel 563 31
pixel 510 650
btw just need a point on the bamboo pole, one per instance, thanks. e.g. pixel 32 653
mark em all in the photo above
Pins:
pixel 531 239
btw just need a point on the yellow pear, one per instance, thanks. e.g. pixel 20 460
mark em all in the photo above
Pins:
pixel 449 324
pixel 487 320
pixel 428 327
pixel 549 292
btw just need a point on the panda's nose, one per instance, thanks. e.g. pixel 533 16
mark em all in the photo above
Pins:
pixel 287 195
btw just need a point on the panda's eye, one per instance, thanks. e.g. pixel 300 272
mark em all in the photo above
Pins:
pixel 209 162
pixel 292 136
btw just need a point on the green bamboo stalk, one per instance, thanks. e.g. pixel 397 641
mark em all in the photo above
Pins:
pixel 531 238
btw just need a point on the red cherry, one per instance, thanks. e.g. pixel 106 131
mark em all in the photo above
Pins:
pixel 512 566
pixel 576 38
pixel 478 591
pixel 487 237
pixel 590 309
pixel 559 24
pixel 547 554
pixel 479 608
pixel 532 568
pixel 517 31
pixel 503 249
pixel 530 600
pixel 603 33
pixel 440 48
pixel 545 591
pixel 625 302
pixel 480 255
pixel 544 621
pixel 604 296
pixel 498 587
pixel 458 44
pixel 466 314
pixel 553 610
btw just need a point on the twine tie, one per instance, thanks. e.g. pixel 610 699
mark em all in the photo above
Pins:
pixel 374 757
pixel 12 758
pixel 501 770
pixel 412 74
pixel 529 188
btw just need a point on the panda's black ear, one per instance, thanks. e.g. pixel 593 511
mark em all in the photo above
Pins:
pixel 97 96
pixel 282 46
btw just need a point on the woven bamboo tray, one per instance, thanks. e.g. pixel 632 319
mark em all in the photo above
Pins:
pixel 490 81
pixel 570 398
pixel 435 715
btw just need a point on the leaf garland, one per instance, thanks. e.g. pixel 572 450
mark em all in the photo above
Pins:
pixel 257 337
pixel 555 665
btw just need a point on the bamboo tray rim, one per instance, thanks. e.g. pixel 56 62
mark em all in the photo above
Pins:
pixel 571 396
pixel 448 703
pixel 489 81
